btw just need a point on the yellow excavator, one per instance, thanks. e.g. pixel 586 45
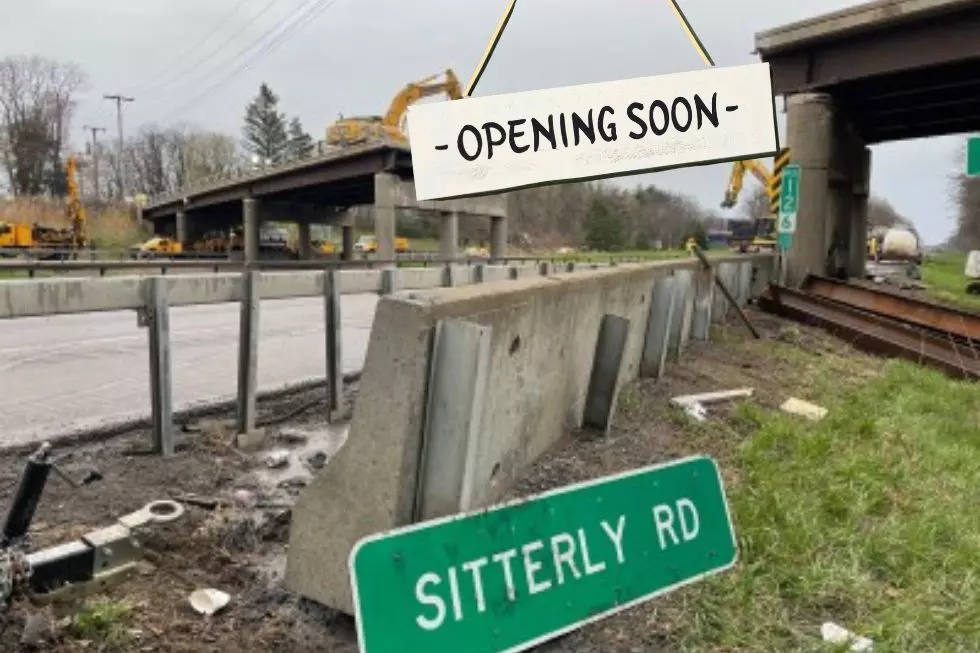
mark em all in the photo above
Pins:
pixel 763 229
pixel 361 129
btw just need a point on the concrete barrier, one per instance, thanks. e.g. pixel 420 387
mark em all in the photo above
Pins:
pixel 464 387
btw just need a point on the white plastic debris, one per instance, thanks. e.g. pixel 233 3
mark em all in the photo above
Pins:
pixel 208 601
pixel 695 406
pixel 804 409
pixel 277 459
pixel 834 634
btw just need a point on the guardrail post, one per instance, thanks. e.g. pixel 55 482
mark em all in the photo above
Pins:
pixel 158 325
pixel 570 267
pixel 680 325
pixel 720 308
pixel 248 350
pixel 458 376
pixel 744 283
pixel 657 337
pixel 544 268
pixel 388 282
pixel 513 272
pixel 600 400
pixel 448 276
pixel 334 343
pixel 703 300
pixel 479 273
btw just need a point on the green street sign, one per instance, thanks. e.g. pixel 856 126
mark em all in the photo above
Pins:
pixel 789 191
pixel 973 157
pixel 513 576
pixel 784 241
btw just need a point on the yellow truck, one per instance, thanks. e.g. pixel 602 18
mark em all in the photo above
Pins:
pixel 369 245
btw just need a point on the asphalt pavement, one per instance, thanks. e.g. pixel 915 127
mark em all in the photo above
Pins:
pixel 68 373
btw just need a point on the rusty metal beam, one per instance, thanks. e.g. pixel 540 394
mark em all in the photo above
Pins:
pixel 939 318
pixel 874 333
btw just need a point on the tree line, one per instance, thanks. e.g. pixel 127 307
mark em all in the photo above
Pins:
pixel 39 97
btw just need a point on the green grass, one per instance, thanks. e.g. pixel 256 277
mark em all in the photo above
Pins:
pixel 946 278
pixel 104 622
pixel 867 519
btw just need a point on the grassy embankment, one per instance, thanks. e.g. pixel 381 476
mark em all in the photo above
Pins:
pixel 867 518
pixel 946 278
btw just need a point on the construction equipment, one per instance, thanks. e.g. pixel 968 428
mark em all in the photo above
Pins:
pixel 762 235
pixel 50 242
pixel 361 129
pixel 273 244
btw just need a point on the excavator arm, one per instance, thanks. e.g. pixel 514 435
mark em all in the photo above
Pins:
pixel 737 178
pixel 76 212
pixel 415 91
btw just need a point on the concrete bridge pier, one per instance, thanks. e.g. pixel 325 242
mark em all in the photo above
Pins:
pixel 385 203
pixel 449 236
pixel 834 173
pixel 304 242
pixel 180 227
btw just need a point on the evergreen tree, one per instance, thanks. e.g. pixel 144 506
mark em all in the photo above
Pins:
pixel 603 228
pixel 265 127
pixel 300 143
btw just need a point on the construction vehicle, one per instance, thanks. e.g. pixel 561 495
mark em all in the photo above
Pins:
pixel 216 244
pixel 369 245
pixel 761 234
pixel 50 242
pixel 972 272
pixel 356 130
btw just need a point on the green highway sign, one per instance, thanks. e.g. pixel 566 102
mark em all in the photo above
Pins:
pixel 784 241
pixel 973 156
pixel 789 199
pixel 513 576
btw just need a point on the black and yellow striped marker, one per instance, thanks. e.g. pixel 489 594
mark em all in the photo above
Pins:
pixel 779 163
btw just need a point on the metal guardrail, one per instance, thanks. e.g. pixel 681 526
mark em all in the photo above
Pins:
pixel 152 296
pixel 219 265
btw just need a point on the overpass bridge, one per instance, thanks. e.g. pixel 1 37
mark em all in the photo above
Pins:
pixel 883 71
pixel 321 190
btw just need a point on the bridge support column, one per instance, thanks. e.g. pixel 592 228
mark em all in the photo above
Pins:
pixel 498 237
pixel 810 131
pixel 449 236
pixel 385 191
pixel 304 244
pixel 180 227
pixel 250 228
pixel 857 252
pixel 347 242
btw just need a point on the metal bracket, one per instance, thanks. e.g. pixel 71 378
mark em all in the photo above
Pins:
pixel 100 556
pixel 144 317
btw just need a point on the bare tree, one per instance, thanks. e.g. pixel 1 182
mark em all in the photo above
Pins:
pixel 756 205
pixel 37 101
pixel 161 160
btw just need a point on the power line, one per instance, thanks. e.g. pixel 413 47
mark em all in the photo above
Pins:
pixel 209 55
pixel 214 30
pixel 316 9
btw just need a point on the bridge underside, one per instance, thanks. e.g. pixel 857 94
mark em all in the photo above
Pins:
pixel 884 71
pixel 903 73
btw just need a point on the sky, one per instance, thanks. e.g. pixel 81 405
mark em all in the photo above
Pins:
pixel 201 61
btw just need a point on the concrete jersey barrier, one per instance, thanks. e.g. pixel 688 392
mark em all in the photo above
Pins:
pixel 514 384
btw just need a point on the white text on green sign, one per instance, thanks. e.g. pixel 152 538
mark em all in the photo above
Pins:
pixel 519 574
pixel 789 191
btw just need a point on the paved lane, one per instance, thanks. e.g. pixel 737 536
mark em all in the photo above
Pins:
pixel 71 372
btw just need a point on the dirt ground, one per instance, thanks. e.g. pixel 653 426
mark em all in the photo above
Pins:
pixel 242 550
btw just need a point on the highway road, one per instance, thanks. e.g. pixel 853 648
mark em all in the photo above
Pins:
pixel 68 373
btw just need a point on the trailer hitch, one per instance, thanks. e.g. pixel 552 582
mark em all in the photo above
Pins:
pixel 99 556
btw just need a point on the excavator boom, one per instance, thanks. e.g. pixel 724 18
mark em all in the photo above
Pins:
pixel 389 127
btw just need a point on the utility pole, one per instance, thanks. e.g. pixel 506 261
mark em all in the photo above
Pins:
pixel 119 99
pixel 95 157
